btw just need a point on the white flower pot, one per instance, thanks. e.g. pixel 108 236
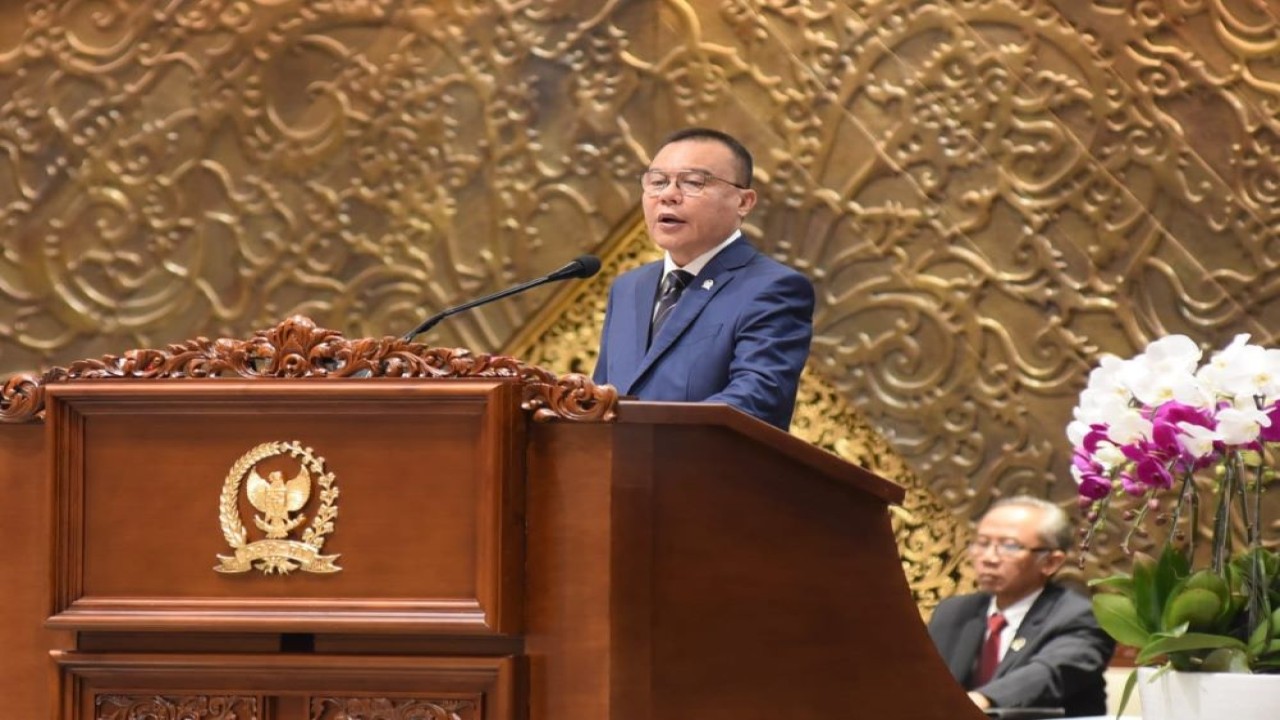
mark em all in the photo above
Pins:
pixel 1208 696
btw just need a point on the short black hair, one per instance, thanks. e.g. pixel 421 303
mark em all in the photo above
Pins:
pixel 740 153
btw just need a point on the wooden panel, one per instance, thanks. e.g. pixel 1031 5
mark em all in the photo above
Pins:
pixel 428 475
pixel 26 675
pixel 745 574
pixel 763 579
pixel 569 573
pixel 288 687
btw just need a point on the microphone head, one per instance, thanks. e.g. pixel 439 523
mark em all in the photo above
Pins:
pixel 588 265
pixel 583 267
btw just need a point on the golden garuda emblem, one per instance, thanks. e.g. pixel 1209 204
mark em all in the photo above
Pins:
pixel 279 503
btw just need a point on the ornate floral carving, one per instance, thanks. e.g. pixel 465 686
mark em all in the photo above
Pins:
pixel 365 708
pixel 297 348
pixel 175 707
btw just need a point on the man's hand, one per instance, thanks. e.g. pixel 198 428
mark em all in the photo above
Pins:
pixel 980 700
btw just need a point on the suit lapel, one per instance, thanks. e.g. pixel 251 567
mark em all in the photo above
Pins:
pixel 714 277
pixel 1029 631
pixel 641 298
pixel 969 643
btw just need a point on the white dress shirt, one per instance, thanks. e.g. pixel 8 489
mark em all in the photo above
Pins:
pixel 1013 617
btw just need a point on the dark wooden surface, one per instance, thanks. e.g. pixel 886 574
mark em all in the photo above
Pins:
pixel 27 677
pixel 424 472
pixel 746 575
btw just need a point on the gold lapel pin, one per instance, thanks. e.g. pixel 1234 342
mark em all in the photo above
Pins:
pixel 1017 644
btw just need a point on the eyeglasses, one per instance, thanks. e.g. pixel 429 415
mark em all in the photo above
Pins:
pixel 688 182
pixel 1003 548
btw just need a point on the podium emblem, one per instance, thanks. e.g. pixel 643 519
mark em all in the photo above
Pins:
pixel 279 500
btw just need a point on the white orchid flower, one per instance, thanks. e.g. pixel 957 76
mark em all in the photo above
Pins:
pixel 1105 394
pixel 1166 371
pixel 1129 427
pixel 1076 431
pixel 1254 373
pixel 1175 352
pixel 1109 456
pixel 1214 373
pixel 1240 426
pixel 1197 440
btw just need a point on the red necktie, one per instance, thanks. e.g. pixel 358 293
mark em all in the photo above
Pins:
pixel 990 651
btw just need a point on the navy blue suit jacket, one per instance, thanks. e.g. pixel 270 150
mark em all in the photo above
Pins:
pixel 739 335
pixel 1058 662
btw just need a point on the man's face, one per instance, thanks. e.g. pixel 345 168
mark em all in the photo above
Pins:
pixel 687 226
pixel 1011 576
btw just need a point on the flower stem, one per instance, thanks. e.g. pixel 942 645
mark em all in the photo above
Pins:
pixel 1222 519
pixel 1255 590
pixel 1137 521
pixel 1186 497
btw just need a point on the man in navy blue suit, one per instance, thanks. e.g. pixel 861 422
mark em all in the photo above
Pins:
pixel 715 320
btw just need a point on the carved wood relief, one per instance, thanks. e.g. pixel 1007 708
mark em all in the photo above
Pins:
pixel 275 686
pixel 361 708
pixel 175 707
pixel 989 193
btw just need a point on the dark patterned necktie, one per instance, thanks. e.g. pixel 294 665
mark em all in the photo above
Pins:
pixel 990 651
pixel 672 286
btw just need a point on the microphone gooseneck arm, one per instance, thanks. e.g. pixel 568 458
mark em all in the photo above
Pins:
pixel 582 267
pixel 432 321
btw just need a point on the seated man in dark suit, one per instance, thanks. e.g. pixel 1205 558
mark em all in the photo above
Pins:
pixel 1024 640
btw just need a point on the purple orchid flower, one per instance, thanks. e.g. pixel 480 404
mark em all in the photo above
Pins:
pixel 1271 433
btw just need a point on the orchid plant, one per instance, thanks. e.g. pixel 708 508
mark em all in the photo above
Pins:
pixel 1193 447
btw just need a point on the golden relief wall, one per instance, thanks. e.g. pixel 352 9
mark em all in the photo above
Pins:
pixel 987 193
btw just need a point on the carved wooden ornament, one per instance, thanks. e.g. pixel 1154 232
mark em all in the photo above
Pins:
pixel 296 348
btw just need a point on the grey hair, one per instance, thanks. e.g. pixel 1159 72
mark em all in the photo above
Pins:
pixel 1055 526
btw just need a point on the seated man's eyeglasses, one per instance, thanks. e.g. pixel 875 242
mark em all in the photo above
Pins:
pixel 689 182
pixel 1003 548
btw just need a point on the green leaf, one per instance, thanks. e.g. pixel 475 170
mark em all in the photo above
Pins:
pixel 1268 561
pixel 1195 606
pixel 1260 638
pixel 1190 641
pixel 1118 617
pixel 1235 579
pixel 1129 684
pixel 1146 600
pixel 1122 583
pixel 1170 568
pixel 1211 581
pixel 1226 660
pixel 1173 632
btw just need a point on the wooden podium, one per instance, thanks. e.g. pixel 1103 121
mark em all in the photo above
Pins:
pixel 298 526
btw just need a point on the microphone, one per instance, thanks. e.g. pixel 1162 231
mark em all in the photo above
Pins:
pixel 584 266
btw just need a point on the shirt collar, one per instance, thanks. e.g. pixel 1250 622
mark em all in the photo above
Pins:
pixel 1017 612
pixel 695 266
